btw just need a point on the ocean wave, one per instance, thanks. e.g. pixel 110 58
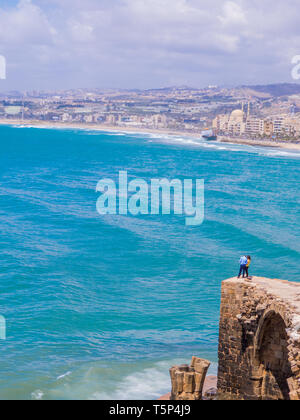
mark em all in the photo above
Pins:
pixel 94 383
pixel 229 147
pixel 39 127
pixel 173 139
pixel 148 384
pixel 201 143
pixel 63 376
pixel 280 153
pixel 37 395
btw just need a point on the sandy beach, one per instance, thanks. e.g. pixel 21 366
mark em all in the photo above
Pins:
pixel 130 129
pixel 97 127
pixel 262 143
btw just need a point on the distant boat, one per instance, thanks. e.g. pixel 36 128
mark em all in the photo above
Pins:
pixel 209 134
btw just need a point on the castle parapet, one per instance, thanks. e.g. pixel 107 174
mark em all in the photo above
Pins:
pixel 259 344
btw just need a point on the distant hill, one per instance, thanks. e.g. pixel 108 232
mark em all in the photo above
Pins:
pixel 170 89
pixel 280 89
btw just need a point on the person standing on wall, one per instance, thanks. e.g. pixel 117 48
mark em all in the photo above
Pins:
pixel 243 266
pixel 248 265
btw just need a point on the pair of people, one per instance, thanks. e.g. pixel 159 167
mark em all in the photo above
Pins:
pixel 245 262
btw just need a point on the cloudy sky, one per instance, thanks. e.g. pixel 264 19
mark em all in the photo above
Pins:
pixel 52 44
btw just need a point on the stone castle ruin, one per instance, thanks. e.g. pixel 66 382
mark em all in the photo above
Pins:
pixel 259 343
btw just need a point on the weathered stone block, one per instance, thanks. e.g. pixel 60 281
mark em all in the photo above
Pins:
pixel 188 381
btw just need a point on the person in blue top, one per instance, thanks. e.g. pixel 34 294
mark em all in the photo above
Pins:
pixel 243 266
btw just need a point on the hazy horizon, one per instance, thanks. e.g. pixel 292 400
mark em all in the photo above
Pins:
pixel 146 44
pixel 118 89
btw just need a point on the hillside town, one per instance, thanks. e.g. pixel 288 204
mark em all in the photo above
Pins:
pixel 266 112
pixel 238 123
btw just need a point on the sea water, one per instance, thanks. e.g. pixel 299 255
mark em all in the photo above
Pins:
pixel 100 307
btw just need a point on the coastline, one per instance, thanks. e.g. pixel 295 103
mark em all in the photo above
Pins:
pixel 127 129
pixel 97 127
pixel 261 143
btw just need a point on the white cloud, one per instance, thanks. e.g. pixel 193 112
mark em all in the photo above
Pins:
pixel 145 43
pixel 25 24
pixel 233 14
pixel 81 32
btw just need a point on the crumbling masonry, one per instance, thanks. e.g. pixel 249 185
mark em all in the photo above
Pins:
pixel 259 344
pixel 188 381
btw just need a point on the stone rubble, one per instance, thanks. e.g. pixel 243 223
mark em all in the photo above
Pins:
pixel 188 381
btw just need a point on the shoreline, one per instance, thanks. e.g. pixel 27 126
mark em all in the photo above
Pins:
pixel 97 127
pixel 134 130
pixel 260 143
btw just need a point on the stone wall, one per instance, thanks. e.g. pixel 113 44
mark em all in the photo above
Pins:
pixel 259 344
pixel 187 381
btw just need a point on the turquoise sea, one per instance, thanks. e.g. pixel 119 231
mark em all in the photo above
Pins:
pixel 99 307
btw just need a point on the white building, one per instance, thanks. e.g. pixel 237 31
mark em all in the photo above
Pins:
pixel 255 126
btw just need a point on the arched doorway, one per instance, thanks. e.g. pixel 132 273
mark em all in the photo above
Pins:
pixel 272 358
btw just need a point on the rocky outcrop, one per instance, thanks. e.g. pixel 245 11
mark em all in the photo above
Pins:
pixel 188 381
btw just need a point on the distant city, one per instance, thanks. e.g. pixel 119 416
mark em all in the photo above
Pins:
pixel 266 112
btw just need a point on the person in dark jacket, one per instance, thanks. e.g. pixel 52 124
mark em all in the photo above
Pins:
pixel 243 266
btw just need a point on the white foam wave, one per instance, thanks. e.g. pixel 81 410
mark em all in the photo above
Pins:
pixel 148 384
pixel 41 127
pixel 231 147
pixel 199 143
pixel 281 153
pixel 37 395
pixel 95 382
pixel 176 139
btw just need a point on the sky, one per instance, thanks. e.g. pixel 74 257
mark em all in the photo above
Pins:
pixel 62 44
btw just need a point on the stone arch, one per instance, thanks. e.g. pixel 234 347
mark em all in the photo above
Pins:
pixel 271 356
